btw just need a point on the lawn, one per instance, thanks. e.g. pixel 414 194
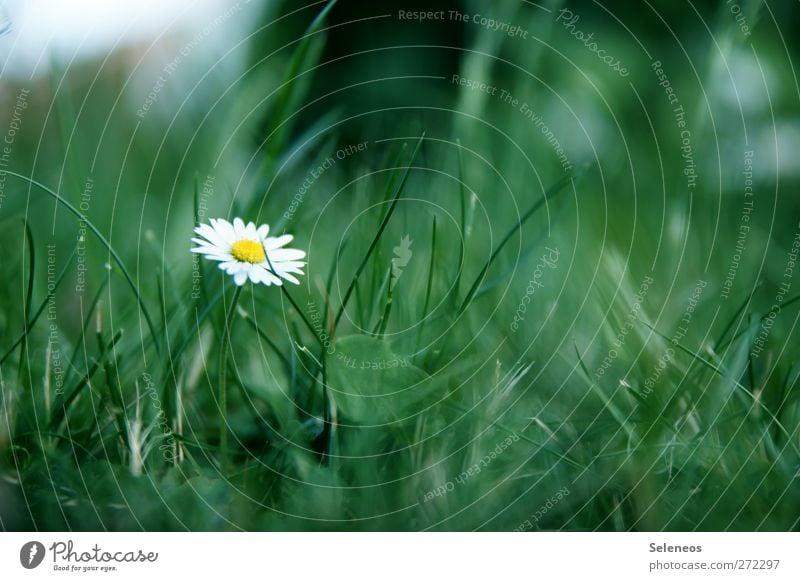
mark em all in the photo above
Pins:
pixel 548 271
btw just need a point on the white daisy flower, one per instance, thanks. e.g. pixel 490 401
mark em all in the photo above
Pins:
pixel 245 251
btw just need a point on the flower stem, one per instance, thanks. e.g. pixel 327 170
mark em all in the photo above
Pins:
pixel 294 304
pixel 301 313
pixel 222 383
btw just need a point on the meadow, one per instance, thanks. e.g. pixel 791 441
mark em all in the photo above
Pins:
pixel 550 281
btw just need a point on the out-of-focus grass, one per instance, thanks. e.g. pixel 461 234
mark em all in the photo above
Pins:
pixel 442 411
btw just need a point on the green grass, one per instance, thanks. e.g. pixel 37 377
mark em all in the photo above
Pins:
pixel 394 389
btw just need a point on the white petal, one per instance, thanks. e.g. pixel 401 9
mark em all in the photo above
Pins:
pixel 211 235
pixel 238 226
pixel 212 254
pixel 289 277
pixel 204 248
pixel 288 266
pixel 231 266
pixel 255 275
pixel 250 231
pixel 267 277
pixel 225 230
pixel 204 230
pixel 203 241
pixel 262 231
pixel 218 223
pixel 272 279
pixel 240 277
pixel 204 244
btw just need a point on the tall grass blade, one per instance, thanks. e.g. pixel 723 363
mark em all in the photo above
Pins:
pixel 549 194
pixel 105 243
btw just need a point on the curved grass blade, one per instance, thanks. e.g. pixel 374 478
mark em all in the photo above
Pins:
pixel 383 320
pixel 427 302
pixel 32 321
pixel 739 311
pixel 199 321
pixel 509 430
pixel 31 271
pixel 608 402
pixel 222 381
pixel 554 189
pixel 200 264
pixel 783 398
pixel 60 408
pixel 721 372
pixel 774 310
pixel 28 300
pixel 87 319
pixel 328 287
pixel 105 242
pixel 463 217
pixel 494 282
pixel 390 184
pixel 284 98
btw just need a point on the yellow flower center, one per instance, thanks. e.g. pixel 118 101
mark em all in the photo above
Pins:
pixel 248 251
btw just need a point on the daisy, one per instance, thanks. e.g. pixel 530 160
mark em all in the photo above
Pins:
pixel 245 251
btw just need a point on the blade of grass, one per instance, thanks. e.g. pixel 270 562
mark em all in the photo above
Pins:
pixel 554 189
pixel 739 311
pixel 788 386
pixel 200 263
pixel 390 184
pixel 328 287
pixel 383 320
pixel 32 321
pixel 379 233
pixel 494 282
pixel 225 347
pixel 61 410
pixel 67 124
pixel 23 358
pixel 31 270
pixel 287 92
pixel 87 319
pixel 463 217
pixel 299 311
pixel 199 319
pixel 721 372
pixel 608 403
pixel 774 310
pixel 114 388
pixel 105 243
pixel 509 430
pixel 427 302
